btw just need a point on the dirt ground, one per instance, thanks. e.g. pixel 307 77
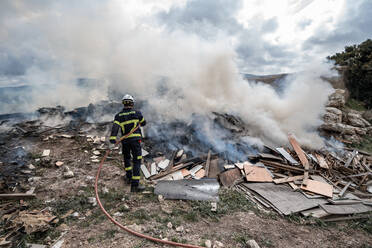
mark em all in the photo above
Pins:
pixel 235 222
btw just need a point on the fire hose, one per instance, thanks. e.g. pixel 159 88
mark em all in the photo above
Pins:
pixel 108 151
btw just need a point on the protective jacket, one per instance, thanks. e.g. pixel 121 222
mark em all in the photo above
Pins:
pixel 127 120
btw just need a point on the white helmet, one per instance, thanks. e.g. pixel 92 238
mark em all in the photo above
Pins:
pixel 128 97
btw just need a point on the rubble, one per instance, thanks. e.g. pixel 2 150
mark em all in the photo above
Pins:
pixel 330 183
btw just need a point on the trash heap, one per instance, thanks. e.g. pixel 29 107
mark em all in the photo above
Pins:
pixel 322 184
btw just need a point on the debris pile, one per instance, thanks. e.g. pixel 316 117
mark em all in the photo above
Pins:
pixel 322 184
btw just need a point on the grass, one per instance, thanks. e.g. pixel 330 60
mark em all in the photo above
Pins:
pixel 356 105
pixel 365 145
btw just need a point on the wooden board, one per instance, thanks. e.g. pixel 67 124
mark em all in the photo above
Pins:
pixel 228 177
pixel 283 197
pixel 257 174
pixel 207 164
pixel 318 188
pixel 213 169
pixel 288 179
pixel 322 162
pixel 315 212
pixel 200 174
pixel 16 196
pixel 301 155
pixel 346 209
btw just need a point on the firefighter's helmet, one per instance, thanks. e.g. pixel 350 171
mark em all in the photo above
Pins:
pixel 128 100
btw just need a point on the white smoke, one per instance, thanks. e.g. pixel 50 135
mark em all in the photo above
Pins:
pixel 179 74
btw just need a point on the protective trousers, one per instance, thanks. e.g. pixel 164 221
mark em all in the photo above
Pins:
pixel 132 148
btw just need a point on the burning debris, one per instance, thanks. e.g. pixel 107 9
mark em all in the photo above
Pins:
pixel 331 183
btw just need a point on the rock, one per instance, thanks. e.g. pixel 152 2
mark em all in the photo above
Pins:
pixel 96 153
pixel 208 243
pixel 180 229
pixel 361 131
pixel 63 227
pixel 367 115
pixel 46 153
pixel 214 206
pixel 105 190
pixel 337 99
pixel 68 174
pixel 59 163
pixel 93 201
pixel 160 198
pixel 95 161
pixel 76 214
pixel 356 120
pixel 34 179
pixel 333 115
pixel 169 225
pixel 118 214
pixel 252 244
pixel 338 128
pixel 31 166
pixel 353 138
pixel 135 227
pixel 217 244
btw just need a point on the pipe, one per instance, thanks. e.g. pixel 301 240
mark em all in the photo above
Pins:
pixel 108 151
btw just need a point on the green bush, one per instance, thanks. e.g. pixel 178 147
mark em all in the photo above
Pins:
pixel 357 60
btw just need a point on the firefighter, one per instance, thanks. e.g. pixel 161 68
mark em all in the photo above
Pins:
pixel 127 120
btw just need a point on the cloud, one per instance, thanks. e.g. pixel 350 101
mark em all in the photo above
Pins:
pixel 352 27
pixel 213 20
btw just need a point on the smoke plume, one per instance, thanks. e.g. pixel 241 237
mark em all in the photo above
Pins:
pixel 178 74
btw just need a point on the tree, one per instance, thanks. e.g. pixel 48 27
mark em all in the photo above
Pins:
pixel 357 59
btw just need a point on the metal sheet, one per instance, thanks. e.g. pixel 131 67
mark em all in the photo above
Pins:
pixel 203 190
pixel 284 198
pixel 287 156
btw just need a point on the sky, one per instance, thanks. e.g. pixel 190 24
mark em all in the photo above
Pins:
pixel 268 37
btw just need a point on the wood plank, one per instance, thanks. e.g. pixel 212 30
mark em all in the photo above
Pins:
pixel 321 161
pixel 229 177
pixel 200 174
pixel 287 179
pixel 207 164
pixel 355 152
pixel 318 188
pixel 257 174
pixel 270 156
pixel 213 169
pixel 282 166
pixel 301 155
pixel 283 197
pixel 346 209
pixel 175 168
pixel 343 191
pixel 367 216
pixel 293 186
pixel 316 213
pixel 16 196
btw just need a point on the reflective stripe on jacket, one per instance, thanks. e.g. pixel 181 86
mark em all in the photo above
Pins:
pixel 126 121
